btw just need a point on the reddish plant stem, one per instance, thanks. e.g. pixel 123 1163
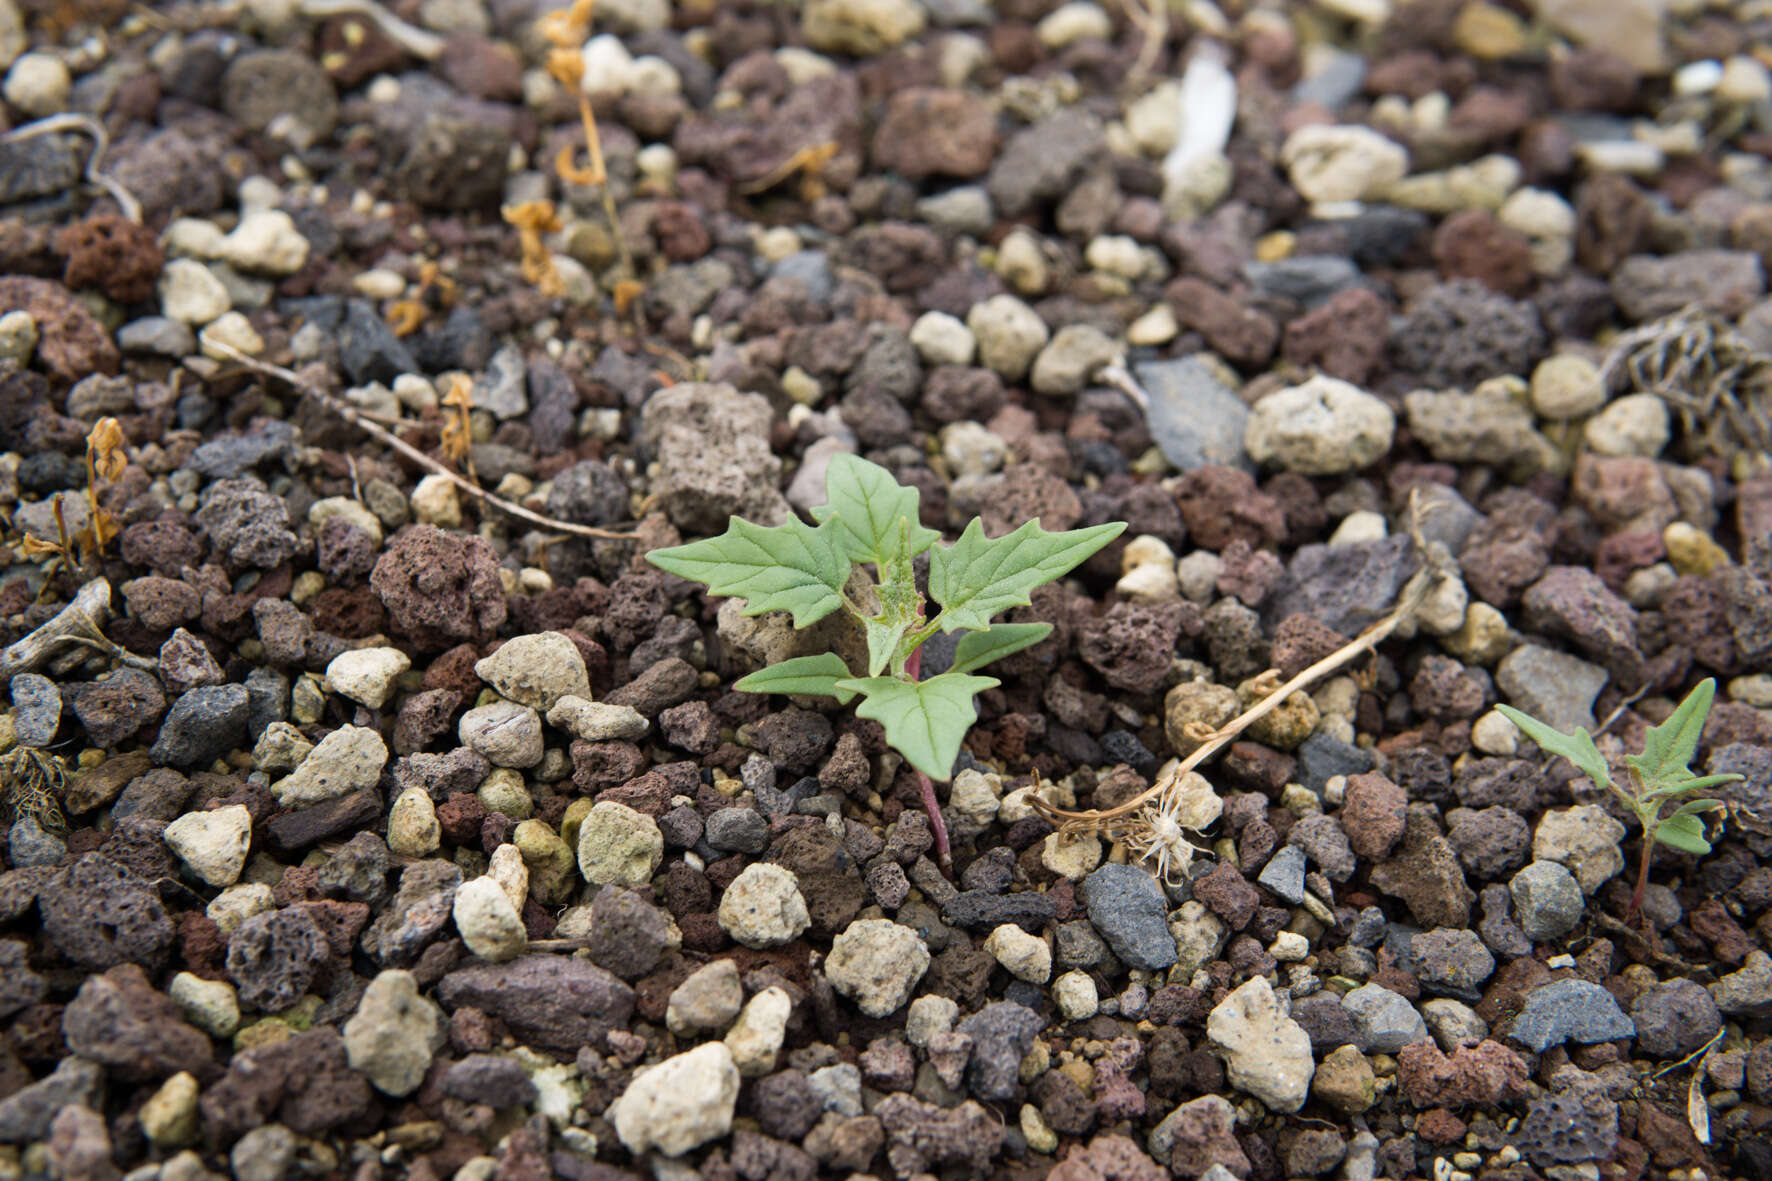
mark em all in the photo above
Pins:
pixel 1634 911
pixel 913 666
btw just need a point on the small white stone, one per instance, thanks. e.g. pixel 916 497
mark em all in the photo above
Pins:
pixel 971 449
pixel 929 1015
pixel 1075 995
pixel 210 1005
pixel 877 963
pixel 1025 956
pixel 1021 263
pixel 1153 582
pixel 756 1037
pixel 366 675
pixel 488 923
pixel 680 1104
pixel 1073 22
pixel 511 872
pixel 1567 386
pixel 18 334
pixel 1634 425
pixel 941 339
pixel 349 759
pixel 508 734
pixel 763 907
pixel 229 334
pixel 1359 526
pixel 536 670
pixel 191 294
pixel 38 85
pixel 435 502
pixel 394 1033
pixel 1495 735
pixel 380 283
pixel 608 66
pixel 1745 81
pixel 598 721
pixel 1117 254
pixel 1323 427
pixel 353 511
pixel 1009 334
pixel 1342 163
pixel 238 903
pixel 266 242
pixel 213 845
pixel 413 829
pixel 1156 327
pixel 1289 947
pixel 1071 855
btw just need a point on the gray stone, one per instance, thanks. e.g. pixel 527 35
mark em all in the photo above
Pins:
pixel 503 388
pixel 1128 907
pixel 1387 1021
pixel 1284 874
pixel 203 725
pixel 1345 587
pixel 555 1002
pixel 1195 418
pixel 1674 1018
pixel 26 1114
pixel 1569 1011
pixel 1547 899
pixel 36 709
pixel 1002 1033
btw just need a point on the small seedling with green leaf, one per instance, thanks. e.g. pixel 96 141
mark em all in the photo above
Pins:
pixel 1660 784
pixel 870 520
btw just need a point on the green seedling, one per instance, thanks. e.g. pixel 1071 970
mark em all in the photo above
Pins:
pixel 858 558
pixel 1659 787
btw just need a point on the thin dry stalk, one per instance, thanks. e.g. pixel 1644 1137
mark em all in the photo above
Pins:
pixel 1151 19
pixel 88 126
pixel 388 439
pixel 1125 814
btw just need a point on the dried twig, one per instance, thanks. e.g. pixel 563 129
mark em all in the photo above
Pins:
pixel 1367 641
pixel 89 610
pixel 414 40
pixel 88 126
pixel 388 439
pixel 1151 19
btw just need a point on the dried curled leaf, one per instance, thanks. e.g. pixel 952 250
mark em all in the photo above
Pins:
pixel 105 446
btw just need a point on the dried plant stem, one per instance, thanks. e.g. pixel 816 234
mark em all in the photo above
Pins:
pixel 88 126
pixel 90 608
pixel 1151 19
pixel 388 439
pixel 1366 641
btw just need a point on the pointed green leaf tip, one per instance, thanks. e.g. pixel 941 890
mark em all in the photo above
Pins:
pixel 977 649
pixel 1578 747
pixel 977 577
pixel 925 721
pixel 868 504
pixel 1669 747
pixel 816 675
pixel 791 567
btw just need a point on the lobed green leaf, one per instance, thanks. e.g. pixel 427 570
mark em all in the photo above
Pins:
pixel 1669 747
pixel 868 505
pixel 1577 747
pixel 977 649
pixel 792 567
pixel 817 675
pixel 925 721
pixel 977 577
pixel 1685 833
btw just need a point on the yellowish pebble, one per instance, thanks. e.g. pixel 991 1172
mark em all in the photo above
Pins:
pixel 1276 246
pixel 1691 551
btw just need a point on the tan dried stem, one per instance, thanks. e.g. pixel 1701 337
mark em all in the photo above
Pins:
pixel 1151 19
pixel 1123 815
pixel 392 441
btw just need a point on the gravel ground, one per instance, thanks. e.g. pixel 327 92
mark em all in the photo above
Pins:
pixel 365 826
